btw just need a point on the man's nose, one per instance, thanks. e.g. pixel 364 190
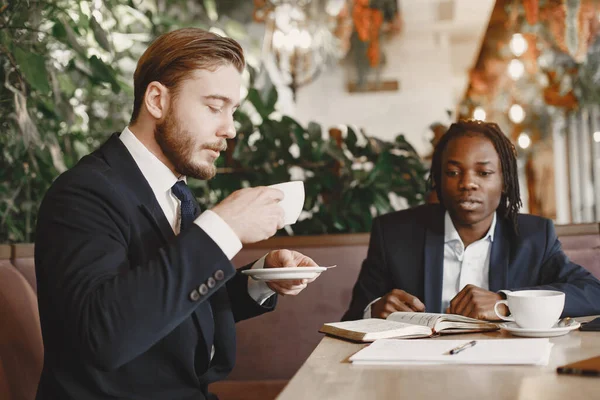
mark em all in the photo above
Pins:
pixel 228 129
pixel 468 182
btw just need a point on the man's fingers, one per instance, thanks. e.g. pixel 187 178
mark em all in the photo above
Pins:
pixel 288 290
pixel 286 258
pixel 412 301
pixel 469 310
pixel 396 304
pixel 291 283
pixel 273 194
pixel 281 220
pixel 417 305
pixel 456 302
pixel 307 262
pixel 279 258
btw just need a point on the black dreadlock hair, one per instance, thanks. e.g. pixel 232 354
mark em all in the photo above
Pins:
pixel 510 202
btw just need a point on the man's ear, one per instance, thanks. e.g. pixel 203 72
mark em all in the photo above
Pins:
pixel 156 99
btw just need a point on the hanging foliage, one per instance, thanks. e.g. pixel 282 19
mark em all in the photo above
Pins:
pixel 531 8
pixel 66 73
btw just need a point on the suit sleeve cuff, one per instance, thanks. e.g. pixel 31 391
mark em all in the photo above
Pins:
pixel 220 233
pixel 367 312
pixel 259 290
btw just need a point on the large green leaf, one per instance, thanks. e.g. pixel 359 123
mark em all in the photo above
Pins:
pixel 257 102
pixel 33 68
pixel 351 140
pixel 271 100
pixel 104 73
pixel 99 34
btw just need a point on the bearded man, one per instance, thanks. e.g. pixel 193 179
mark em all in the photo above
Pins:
pixel 137 295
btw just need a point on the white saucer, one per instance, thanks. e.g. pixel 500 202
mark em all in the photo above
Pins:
pixel 513 328
pixel 278 274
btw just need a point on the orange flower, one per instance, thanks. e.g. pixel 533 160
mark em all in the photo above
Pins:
pixel 373 52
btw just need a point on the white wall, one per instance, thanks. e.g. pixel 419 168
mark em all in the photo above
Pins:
pixel 430 58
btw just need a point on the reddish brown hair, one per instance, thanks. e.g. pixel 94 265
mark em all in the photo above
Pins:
pixel 174 55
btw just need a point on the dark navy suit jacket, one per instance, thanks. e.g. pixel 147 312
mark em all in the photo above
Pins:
pixel 121 312
pixel 406 251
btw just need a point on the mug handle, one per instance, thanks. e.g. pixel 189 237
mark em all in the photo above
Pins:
pixel 512 319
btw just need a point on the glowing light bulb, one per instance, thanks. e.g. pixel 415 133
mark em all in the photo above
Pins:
pixel 518 44
pixel 516 114
pixel 516 69
pixel 479 114
pixel 524 141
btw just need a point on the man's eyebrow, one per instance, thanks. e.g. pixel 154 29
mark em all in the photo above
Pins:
pixel 454 162
pixel 225 99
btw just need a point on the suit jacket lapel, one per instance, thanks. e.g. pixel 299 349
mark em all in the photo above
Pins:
pixel 498 274
pixel 117 155
pixel 434 262
pixel 158 219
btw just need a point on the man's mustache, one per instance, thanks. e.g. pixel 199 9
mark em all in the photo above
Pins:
pixel 218 146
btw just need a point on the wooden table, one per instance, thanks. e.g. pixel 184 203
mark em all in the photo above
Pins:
pixel 327 374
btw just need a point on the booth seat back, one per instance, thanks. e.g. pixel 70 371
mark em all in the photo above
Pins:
pixel 21 349
pixel 276 344
pixel 581 243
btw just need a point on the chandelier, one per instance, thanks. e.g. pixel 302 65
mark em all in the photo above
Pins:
pixel 299 37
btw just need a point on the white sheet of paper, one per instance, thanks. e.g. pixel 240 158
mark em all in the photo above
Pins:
pixel 428 351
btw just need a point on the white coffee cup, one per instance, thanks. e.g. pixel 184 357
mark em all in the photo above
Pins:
pixel 293 200
pixel 533 309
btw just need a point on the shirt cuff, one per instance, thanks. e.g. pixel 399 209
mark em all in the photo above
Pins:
pixel 219 232
pixel 367 312
pixel 259 290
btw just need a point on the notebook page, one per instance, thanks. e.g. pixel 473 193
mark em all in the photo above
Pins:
pixel 370 325
pixel 428 351
pixel 427 319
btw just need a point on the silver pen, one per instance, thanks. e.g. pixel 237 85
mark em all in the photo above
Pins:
pixel 462 347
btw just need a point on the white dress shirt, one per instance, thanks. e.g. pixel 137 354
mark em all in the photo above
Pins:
pixel 461 266
pixel 464 266
pixel 161 179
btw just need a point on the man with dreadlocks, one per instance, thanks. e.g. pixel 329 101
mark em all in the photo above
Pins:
pixel 462 255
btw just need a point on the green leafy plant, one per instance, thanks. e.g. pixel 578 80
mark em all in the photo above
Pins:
pixel 66 72
pixel 66 68
pixel 348 180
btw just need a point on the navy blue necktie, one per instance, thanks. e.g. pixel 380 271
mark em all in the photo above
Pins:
pixel 189 206
pixel 189 211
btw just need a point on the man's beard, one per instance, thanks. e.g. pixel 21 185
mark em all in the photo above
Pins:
pixel 178 146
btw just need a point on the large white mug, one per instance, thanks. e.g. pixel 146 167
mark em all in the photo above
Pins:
pixel 293 200
pixel 533 309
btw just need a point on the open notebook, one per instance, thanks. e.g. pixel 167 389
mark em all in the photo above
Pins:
pixel 405 325
pixel 486 351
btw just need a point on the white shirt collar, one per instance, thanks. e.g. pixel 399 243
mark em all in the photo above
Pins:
pixel 450 232
pixel 159 176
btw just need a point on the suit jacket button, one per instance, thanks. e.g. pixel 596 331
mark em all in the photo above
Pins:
pixel 219 275
pixel 194 295
pixel 203 289
pixel 211 283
